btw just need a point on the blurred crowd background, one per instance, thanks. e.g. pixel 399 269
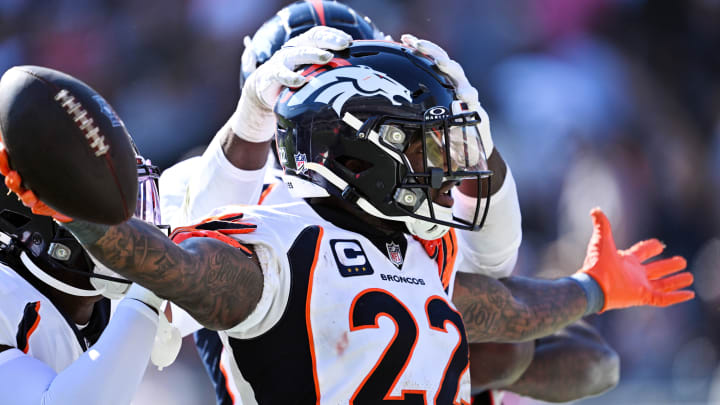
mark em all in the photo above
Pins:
pixel 613 103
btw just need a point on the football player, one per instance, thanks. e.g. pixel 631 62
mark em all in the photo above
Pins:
pixel 313 293
pixel 58 344
pixel 234 164
pixel 288 23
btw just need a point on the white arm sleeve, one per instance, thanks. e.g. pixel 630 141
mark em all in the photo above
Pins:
pixel 493 250
pixel 215 182
pixel 174 185
pixel 276 290
pixel 108 373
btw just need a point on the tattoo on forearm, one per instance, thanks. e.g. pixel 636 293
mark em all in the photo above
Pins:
pixel 217 284
pixel 517 308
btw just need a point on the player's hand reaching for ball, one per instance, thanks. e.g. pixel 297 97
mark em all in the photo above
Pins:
pixel 625 276
pixel 28 198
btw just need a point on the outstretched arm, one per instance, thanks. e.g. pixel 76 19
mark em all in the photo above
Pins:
pixel 217 284
pixel 517 309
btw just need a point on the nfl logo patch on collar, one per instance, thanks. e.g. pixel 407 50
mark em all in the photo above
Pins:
pixel 394 253
pixel 300 160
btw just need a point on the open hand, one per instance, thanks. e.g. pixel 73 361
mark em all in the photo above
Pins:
pixel 624 277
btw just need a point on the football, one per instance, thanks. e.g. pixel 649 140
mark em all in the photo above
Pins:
pixel 68 145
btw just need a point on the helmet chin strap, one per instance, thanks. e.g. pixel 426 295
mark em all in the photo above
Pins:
pixel 109 288
pixel 53 282
pixel 428 230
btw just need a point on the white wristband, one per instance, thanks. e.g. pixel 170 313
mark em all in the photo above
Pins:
pixel 252 121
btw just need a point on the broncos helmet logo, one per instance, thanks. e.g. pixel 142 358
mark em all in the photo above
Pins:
pixel 338 85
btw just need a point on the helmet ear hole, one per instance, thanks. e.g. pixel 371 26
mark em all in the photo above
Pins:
pixel 354 165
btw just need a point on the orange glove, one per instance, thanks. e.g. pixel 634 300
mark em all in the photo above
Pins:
pixel 28 198
pixel 622 276
pixel 217 228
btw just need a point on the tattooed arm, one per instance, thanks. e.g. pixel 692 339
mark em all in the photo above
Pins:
pixel 215 283
pixel 516 308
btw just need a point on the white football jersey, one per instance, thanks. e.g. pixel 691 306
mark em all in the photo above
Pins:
pixel 346 318
pixel 179 197
pixel 31 323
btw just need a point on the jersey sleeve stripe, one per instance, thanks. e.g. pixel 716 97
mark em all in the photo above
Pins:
pixel 442 260
pixel 28 324
pixel 449 246
pixel 227 381
pixel 266 192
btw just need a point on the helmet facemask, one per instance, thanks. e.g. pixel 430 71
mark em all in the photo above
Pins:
pixel 416 178
pixel 148 203
pixel 428 166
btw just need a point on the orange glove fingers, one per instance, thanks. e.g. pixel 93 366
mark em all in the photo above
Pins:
pixel 662 268
pixel 673 283
pixel 665 299
pixel 40 208
pixel 602 239
pixel 12 178
pixel 14 182
pixel 646 249
pixel 4 164
pixel 602 232
pixel 28 198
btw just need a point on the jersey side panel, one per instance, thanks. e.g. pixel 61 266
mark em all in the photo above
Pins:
pixel 282 355
pixel 352 326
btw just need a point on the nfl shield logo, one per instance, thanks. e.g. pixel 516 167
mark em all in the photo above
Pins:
pixel 394 253
pixel 300 162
